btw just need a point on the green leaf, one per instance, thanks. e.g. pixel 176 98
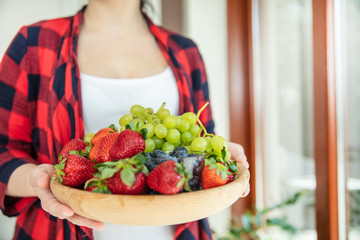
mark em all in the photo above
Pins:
pixel 180 183
pixel 223 175
pixel 74 152
pixel 108 172
pixel 113 127
pixel 138 159
pixel 131 125
pixel 223 153
pixel 144 133
pixel 213 166
pixel 233 166
pixel 246 222
pixel 127 175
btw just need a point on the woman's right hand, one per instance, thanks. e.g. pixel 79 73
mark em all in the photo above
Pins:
pixel 40 181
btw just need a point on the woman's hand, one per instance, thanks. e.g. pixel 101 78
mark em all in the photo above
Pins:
pixel 238 154
pixel 40 181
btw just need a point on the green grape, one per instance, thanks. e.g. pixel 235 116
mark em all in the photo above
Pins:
pixel 186 138
pixel 190 117
pixel 150 129
pixel 178 121
pixel 88 137
pixel 173 136
pixel 137 109
pixel 152 118
pixel 209 146
pixel 177 144
pixel 168 147
pixel 159 142
pixel 139 116
pixel 148 112
pixel 124 120
pixel 194 129
pixel 228 156
pixel 160 130
pixel 170 121
pixel 138 124
pixel 163 113
pixel 218 143
pixel 184 126
pixel 149 145
pixel 122 128
pixel 199 144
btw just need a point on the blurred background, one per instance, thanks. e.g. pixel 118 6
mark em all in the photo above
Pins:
pixel 263 80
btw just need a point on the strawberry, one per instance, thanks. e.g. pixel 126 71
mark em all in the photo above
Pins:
pixel 116 184
pixel 74 170
pixel 101 151
pixel 97 185
pixel 231 177
pixel 72 145
pixel 168 178
pixel 127 176
pixel 213 175
pixel 102 133
pixel 127 144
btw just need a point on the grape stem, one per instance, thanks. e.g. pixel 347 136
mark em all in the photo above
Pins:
pixel 203 129
pixel 161 107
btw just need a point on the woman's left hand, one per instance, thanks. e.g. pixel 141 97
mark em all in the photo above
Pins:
pixel 238 154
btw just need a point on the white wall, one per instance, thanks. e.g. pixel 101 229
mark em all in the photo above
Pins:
pixel 205 24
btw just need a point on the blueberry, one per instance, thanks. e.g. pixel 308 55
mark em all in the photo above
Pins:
pixel 194 183
pixel 152 163
pixel 180 152
pixel 159 154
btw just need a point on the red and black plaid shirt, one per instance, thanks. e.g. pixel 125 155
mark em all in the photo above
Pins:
pixel 40 110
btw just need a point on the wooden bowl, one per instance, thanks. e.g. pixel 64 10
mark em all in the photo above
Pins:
pixel 150 210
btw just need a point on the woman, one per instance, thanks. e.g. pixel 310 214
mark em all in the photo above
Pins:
pixel 43 105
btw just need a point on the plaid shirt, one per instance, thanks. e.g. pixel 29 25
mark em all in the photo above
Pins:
pixel 40 109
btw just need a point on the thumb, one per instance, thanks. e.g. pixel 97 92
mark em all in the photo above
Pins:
pixel 40 177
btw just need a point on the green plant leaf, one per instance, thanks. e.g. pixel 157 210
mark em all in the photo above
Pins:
pixel 127 175
pixel 131 125
pixel 246 222
pixel 138 159
pixel 233 166
pixel 144 133
pixel 108 172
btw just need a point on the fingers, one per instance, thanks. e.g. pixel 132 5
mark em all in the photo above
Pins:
pixel 82 221
pixel 246 192
pixel 40 181
pixel 40 178
pixel 238 154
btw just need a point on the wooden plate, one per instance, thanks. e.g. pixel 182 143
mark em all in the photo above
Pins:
pixel 150 210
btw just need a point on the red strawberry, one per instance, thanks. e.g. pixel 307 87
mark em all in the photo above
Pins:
pixel 72 145
pixel 97 185
pixel 75 170
pixel 117 186
pixel 127 144
pixel 101 151
pixel 213 175
pixel 168 178
pixel 102 133
pixel 231 176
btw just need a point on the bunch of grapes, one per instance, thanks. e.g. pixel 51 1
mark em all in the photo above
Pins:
pixel 166 132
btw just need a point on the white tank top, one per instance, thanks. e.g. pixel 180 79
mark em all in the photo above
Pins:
pixel 104 101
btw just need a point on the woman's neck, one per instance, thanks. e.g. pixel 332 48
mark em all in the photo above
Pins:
pixel 116 16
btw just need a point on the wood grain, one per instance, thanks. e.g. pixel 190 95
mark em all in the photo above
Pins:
pixel 150 210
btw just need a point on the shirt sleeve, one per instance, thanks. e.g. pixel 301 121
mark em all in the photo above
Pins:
pixel 15 130
pixel 201 89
